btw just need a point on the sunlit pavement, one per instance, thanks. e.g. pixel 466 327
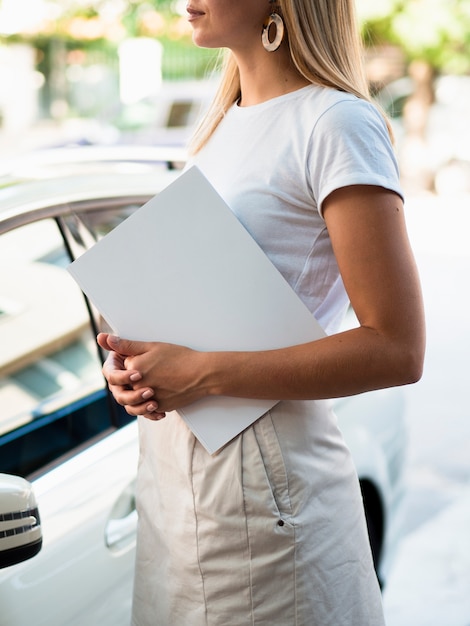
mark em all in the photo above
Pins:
pixel 429 584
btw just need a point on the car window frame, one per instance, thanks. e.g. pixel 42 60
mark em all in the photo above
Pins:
pixel 58 213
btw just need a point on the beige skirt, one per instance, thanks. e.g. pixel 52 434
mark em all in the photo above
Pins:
pixel 268 531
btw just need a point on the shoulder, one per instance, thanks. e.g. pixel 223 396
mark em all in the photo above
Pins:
pixel 347 112
pixel 326 110
pixel 350 145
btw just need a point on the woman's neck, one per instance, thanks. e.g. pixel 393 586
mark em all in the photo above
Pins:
pixel 267 75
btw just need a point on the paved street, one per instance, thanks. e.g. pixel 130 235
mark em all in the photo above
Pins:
pixel 430 581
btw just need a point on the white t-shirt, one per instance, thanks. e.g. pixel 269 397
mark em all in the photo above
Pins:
pixel 274 163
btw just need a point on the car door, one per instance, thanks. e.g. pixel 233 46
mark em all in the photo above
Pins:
pixel 60 429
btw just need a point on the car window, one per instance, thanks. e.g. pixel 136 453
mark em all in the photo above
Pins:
pixel 82 228
pixel 52 392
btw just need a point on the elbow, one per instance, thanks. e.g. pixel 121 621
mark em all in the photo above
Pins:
pixel 415 348
pixel 413 372
pixel 411 364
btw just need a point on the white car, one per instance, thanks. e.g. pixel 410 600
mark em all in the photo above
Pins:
pixel 59 427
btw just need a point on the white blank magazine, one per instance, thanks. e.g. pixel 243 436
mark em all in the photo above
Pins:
pixel 183 270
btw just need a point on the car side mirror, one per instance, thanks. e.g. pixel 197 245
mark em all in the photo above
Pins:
pixel 20 527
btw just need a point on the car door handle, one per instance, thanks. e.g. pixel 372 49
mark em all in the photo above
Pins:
pixel 121 528
pixel 121 532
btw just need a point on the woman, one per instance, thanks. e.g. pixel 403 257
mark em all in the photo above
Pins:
pixel 271 529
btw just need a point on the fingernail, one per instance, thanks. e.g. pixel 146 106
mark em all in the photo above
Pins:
pixel 148 393
pixel 150 408
pixel 114 339
pixel 135 377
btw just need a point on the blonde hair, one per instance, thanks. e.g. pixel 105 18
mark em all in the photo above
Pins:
pixel 325 47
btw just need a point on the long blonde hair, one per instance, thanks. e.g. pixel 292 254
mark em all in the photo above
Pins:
pixel 325 47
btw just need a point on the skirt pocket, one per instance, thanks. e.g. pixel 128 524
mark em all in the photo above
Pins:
pixel 265 464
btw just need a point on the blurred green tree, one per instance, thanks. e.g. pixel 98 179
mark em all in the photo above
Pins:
pixel 436 32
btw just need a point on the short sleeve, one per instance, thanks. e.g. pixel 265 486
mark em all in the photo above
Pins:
pixel 350 145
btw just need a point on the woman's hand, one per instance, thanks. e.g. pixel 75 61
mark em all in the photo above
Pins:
pixel 151 378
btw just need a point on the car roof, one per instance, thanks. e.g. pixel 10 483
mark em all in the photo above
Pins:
pixel 44 183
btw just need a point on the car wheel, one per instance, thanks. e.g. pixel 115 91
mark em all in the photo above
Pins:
pixel 375 521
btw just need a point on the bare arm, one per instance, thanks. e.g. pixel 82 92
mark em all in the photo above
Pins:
pixel 368 234
pixel 367 229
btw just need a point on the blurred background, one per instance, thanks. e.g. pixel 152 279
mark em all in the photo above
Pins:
pixel 75 72
pixel 113 72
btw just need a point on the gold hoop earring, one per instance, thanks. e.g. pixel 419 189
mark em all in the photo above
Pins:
pixel 276 20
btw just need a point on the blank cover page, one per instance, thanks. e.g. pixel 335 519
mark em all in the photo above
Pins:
pixel 182 269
